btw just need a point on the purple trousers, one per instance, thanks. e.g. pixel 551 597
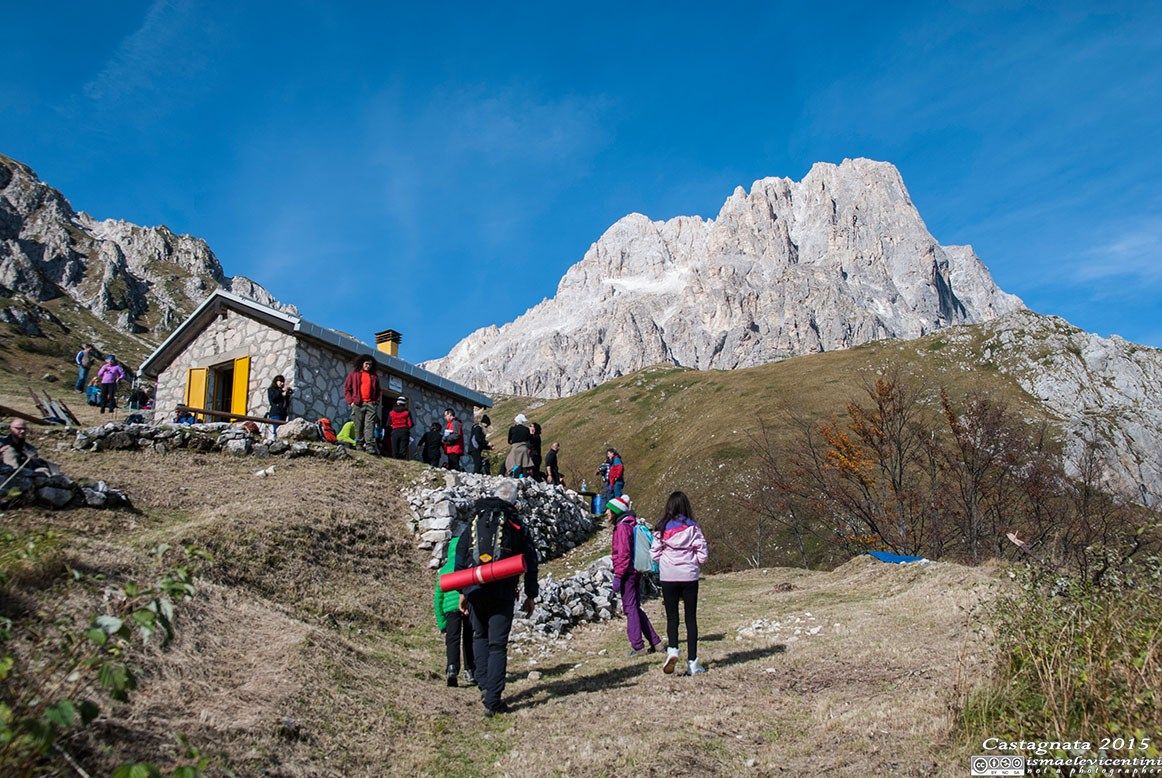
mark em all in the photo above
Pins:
pixel 637 623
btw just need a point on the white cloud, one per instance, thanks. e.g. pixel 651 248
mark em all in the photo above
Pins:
pixel 1135 253
pixel 159 61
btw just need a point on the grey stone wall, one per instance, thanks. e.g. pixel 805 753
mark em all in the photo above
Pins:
pixel 318 382
pixel 228 338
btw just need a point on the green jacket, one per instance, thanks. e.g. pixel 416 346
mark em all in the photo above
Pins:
pixel 446 602
pixel 347 433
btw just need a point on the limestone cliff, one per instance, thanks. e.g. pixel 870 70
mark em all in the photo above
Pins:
pixel 788 268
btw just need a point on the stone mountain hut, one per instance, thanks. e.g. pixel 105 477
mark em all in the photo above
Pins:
pixel 225 355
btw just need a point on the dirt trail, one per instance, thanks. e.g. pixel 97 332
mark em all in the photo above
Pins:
pixel 313 651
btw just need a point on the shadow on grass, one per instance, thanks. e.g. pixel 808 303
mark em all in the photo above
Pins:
pixel 546 672
pixel 583 684
pixel 712 638
pixel 739 657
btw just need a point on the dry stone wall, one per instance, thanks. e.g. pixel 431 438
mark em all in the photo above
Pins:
pixel 557 519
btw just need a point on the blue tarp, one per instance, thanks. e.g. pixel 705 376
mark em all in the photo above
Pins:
pixel 895 559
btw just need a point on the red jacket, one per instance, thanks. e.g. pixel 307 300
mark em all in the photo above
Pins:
pixel 616 471
pixel 399 420
pixel 454 442
pixel 351 388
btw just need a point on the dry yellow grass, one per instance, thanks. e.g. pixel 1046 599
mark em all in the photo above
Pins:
pixel 311 649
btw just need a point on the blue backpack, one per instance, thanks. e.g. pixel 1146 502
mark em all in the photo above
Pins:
pixel 643 539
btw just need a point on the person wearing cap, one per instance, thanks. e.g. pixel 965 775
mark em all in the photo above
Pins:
pixel 400 422
pixel 519 461
pixel 491 606
pixel 639 630
pixel 109 375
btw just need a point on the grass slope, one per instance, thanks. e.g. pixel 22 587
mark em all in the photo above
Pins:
pixel 311 649
pixel 696 431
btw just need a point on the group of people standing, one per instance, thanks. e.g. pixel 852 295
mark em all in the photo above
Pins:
pixel 102 389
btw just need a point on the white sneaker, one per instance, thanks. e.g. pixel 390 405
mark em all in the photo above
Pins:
pixel 671 660
pixel 693 668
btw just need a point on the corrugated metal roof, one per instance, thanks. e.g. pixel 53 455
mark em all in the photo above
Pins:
pixel 313 331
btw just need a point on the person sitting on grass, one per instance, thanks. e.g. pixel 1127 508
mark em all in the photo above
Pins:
pixel 16 453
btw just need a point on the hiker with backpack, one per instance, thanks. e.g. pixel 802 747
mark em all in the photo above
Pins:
pixel 478 443
pixel 495 531
pixel 84 362
pixel 535 450
pixel 400 421
pixel 680 550
pixel 454 624
pixel 628 567
pixel 361 392
pixel 453 438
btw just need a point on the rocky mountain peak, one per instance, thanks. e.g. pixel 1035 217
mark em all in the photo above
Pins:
pixel 139 279
pixel 840 258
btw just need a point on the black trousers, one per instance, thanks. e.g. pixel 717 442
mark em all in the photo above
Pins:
pixel 453 462
pixel 108 397
pixel 399 443
pixel 458 636
pixel 491 614
pixel 687 592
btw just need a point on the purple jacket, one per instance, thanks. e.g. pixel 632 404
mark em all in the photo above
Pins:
pixel 680 550
pixel 623 545
pixel 110 373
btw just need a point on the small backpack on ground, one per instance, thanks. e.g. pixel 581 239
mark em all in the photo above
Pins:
pixel 326 430
pixel 494 535
pixel 643 539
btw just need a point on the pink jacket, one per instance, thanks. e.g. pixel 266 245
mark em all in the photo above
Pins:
pixel 680 550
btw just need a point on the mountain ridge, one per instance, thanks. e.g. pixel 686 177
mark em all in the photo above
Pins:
pixel 840 258
pixel 140 281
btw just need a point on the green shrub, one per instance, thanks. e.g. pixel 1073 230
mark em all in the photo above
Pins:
pixel 1079 657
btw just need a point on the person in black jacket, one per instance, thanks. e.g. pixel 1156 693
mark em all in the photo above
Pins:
pixel 491 605
pixel 478 443
pixel 430 446
pixel 278 395
pixel 535 450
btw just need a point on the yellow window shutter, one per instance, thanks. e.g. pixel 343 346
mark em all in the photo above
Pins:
pixel 196 387
pixel 240 391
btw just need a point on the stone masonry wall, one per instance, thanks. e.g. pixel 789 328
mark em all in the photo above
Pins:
pixel 318 384
pixel 271 352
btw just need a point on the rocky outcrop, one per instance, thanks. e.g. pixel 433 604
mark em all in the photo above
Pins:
pixel 142 280
pixel 557 519
pixel 585 596
pixel 1106 390
pixel 788 268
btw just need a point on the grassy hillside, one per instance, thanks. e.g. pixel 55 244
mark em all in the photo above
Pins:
pixel 309 648
pixel 697 431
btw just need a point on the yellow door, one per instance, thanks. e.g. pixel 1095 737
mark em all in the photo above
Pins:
pixel 240 391
pixel 196 388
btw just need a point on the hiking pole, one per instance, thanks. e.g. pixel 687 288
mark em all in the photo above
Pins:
pixel 14 474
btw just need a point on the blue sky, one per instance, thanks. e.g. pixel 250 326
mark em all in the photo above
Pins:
pixel 355 157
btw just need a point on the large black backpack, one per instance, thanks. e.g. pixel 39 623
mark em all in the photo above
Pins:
pixel 495 532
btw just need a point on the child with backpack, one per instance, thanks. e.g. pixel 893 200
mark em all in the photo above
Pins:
pixel 680 550
pixel 453 622
pixel 627 575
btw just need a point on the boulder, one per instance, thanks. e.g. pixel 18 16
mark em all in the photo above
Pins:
pixel 298 429
pixel 54 496
pixel 239 447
